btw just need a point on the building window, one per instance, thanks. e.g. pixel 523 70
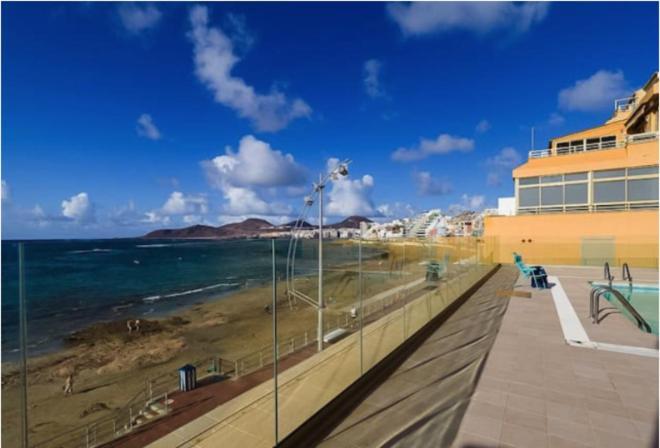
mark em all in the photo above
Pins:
pixel 576 194
pixel 552 195
pixel 609 173
pixel 575 176
pixel 611 191
pixel 643 189
pixel 551 179
pixel 643 171
pixel 528 197
pixel 608 142
pixel 528 181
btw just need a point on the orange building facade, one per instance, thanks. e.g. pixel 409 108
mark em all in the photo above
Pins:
pixel 591 196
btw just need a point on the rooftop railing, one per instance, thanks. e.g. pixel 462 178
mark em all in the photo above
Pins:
pixel 624 104
pixel 597 146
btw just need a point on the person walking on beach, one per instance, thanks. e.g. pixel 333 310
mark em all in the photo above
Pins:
pixel 137 324
pixel 129 326
pixel 68 385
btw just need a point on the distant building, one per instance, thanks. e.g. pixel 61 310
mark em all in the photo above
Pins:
pixel 506 206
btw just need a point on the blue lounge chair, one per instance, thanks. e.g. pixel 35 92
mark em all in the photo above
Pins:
pixel 537 274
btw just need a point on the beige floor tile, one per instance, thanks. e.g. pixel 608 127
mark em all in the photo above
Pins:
pixel 519 436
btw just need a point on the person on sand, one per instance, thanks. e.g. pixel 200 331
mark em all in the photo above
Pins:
pixel 68 385
pixel 137 324
pixel 129 326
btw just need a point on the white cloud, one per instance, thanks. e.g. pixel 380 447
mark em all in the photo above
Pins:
pixel 239 33
pixel 468 203
pixel 483 126
pixel 350 196
pixel 508 157
pixel 502 163
pixel 154 217
pixel 594 93
pixel 427 185
pixel 214 60
pixel 255 164
pixel 372 83
pixel 443 144
pixel 136 19
pixel 419 18
pixel 244 201
pixel 396 210
pixel 255 167
pixel 147 128
pixel 79 208
pixel 556 119
pixel 181 204
pixel 5 192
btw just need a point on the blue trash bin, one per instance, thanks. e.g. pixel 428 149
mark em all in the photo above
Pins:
pixel 187 378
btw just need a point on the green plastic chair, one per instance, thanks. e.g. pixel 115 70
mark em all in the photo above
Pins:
pixel 526 271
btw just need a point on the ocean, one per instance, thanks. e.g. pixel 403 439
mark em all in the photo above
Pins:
pixel 71 284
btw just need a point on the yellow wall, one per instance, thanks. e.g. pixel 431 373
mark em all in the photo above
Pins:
pixel 635 154
pixel 558 238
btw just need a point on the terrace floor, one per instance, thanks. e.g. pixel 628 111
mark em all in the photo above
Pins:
pixel 536 390
pixel 530 388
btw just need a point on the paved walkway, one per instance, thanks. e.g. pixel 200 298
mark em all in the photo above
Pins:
pixel 423 402
pixel 536 391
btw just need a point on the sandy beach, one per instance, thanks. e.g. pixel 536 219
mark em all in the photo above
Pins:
pixel 109 365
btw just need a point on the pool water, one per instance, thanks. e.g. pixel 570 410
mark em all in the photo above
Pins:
pixel 644 298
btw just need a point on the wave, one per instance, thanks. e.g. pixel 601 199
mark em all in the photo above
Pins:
pixel 154 298
pixel 143 246
pixel 89 251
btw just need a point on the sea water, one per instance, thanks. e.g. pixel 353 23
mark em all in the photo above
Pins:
pixel 71 284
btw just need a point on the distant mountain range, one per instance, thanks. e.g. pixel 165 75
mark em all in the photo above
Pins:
pixel 250 228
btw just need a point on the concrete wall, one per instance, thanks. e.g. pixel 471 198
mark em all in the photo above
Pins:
pixel 575 238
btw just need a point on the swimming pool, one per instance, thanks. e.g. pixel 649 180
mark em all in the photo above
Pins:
pixel 643 297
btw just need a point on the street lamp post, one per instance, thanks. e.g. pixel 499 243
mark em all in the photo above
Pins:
pixel 319 330
pixel 340 170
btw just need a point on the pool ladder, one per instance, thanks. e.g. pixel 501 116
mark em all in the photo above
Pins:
pixel 598 291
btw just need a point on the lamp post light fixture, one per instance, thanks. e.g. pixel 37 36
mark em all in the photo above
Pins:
pixel 336 173
pixel 340 170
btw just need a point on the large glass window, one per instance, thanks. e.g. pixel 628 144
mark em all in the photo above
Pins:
pixel 575 194
pixel 614 191
pixel 528 197
pixel 552 195
pixel 643 189
pixel 528 180
pixel 609 173
pixel 551 179
pixel 575 176
pixel 642 171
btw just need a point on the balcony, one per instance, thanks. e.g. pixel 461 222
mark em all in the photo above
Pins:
pixel 598 146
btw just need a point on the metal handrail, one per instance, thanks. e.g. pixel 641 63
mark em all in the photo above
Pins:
pixel 606 273
pixel 594 306
pixel 585 147
pixel 625 274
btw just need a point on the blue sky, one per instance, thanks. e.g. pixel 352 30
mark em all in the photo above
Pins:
pixel 121 118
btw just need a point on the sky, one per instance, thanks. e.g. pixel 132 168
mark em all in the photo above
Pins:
pixel 121 118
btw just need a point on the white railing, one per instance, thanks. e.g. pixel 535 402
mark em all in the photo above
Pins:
pixel 644 137
pixel 624 104
pixel 633 138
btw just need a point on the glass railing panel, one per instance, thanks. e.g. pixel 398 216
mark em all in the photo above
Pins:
pixel 321 371
pixel 111 323
pixel 13 405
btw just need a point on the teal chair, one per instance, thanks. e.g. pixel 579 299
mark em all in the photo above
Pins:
pixel 435 270
pixel 537 274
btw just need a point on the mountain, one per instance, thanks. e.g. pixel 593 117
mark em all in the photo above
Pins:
pixel 352 222
pixel 305 224
pixel 249 228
